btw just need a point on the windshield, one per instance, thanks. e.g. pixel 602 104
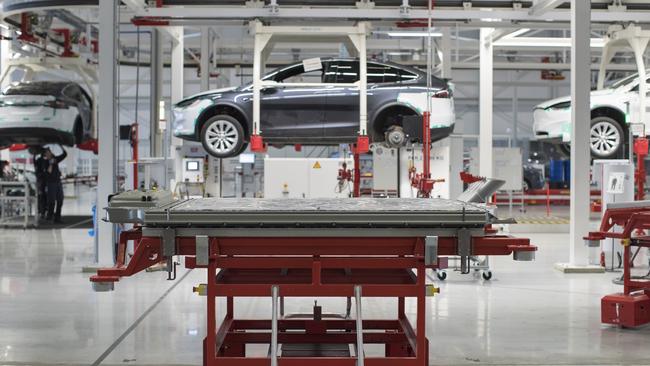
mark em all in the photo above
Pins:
pixel 35 88
pixel 615 84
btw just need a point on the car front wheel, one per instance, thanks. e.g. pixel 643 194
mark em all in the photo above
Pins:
pixel 606 138
pixel 222 136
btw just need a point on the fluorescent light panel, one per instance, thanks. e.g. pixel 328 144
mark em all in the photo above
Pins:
pixel 414 34
pixel 543 42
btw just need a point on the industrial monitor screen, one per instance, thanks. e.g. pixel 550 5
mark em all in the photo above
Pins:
pixel 192 166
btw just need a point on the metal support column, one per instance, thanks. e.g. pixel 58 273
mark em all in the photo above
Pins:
pixel 156 79
pixel 581 117
pixel 485 103
pixel 205 58
pixel 4 53
pixel 177 81
pixel 446 52
pixel 108 124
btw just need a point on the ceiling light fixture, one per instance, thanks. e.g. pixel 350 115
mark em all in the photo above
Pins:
pixel 414 34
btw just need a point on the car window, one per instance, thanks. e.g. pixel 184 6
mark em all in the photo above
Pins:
pixel 296 74
pixel 636 88
pixel 378 73
pixel 72 91
pixel 342 72
pixel 86 98
pixel 34 88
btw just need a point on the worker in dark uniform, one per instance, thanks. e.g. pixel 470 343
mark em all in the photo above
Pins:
pixel 40 170
pixel 54 187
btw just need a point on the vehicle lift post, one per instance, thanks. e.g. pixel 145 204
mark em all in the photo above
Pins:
pixel 641 151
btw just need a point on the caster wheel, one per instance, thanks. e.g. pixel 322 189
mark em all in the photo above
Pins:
pixel 442 275
pixel 487 275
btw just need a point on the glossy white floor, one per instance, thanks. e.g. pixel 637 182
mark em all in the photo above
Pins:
pixel 528 314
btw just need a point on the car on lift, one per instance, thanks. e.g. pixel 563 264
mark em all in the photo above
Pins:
pixel 610 108
pixel 45 112
pixel 318 115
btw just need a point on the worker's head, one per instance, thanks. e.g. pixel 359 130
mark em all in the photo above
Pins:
pixel 48 154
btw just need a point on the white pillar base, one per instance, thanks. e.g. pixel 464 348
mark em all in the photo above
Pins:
pixel 573 268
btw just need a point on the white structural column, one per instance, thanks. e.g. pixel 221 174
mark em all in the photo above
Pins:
pixel 485 103
pixel 580 115
pixel 177 83
pixel 4 54
pixel 155 86
pixel 205 58
pixel 363 80
pixel 177 78
pixel 107 125
pixel 446 52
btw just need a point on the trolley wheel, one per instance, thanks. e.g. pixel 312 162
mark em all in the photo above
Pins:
pixel 487 275
pixel 442 275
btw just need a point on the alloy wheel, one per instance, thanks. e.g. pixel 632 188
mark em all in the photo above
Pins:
pixel 222 136
pixel 604 138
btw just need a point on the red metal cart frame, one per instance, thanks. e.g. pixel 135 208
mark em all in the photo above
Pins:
pixel 631 308
pixel 279 267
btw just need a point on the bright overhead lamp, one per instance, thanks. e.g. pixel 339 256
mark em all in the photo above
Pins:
pixel 414 34
pixel 543 42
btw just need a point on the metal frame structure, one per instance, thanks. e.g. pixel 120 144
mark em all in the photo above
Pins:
pixel 21 211
pixel 281 252
pixel 354 39
pixel 631 308
pixel 619 39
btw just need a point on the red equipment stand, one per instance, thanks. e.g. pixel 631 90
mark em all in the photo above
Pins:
pixel 282 267
pixel 631 308
pixel 641 151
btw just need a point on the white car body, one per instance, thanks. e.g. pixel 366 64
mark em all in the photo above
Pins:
pixel 552 119
pixel 30 111
pixel 45 112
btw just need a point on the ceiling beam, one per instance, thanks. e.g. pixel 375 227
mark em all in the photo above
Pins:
pixel 201 14
pixel 542 6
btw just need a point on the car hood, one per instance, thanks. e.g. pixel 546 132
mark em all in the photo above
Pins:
pixel 552 102
pixel 213 91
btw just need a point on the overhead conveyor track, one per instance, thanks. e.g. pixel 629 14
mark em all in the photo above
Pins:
pixel 196 11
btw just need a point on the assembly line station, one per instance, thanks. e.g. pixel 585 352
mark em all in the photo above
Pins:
pixel 373 182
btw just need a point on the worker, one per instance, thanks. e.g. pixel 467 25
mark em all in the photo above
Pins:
pixel 54 187
pixel 40 170
pixel 4 169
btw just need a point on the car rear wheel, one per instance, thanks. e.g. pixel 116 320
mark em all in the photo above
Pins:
pixel 606 138
pixel 222 136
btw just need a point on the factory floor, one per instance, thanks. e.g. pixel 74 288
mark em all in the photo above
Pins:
pixel 528 314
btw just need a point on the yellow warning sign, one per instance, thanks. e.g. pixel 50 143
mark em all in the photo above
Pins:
pixel 317 165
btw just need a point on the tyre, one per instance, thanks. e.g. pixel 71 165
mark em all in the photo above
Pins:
pixel 487 275
pixel 222 136
pixel 606 138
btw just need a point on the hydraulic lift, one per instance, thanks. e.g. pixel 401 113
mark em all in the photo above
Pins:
pixel 282 248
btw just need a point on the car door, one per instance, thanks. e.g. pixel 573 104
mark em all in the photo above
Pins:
pixel 635 106
pixel 342 112
pixel 87 106
pixel 74 93
pixel 289 110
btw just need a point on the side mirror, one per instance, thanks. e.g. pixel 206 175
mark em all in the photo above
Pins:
pixel 269 90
